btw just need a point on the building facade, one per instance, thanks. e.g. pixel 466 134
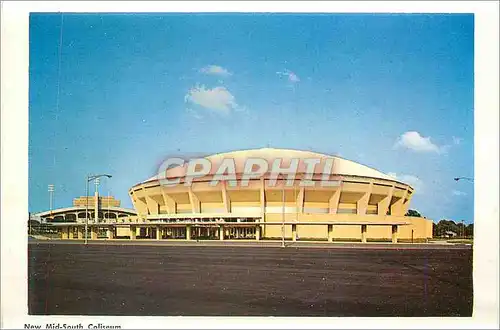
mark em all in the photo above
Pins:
pixel 98 209
pixel 358 203
pixel 365 204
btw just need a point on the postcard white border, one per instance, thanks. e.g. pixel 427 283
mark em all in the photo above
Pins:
pixel 14 162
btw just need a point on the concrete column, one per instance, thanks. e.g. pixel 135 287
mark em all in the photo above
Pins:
pixel 80 232
pixel 330 233
pixel 111 233
pixel 334 200
pixel 64 233
pixel 384 204
pixel 133 232
pixel 363 233
pixel 93 232
pixel 153 206
pixel 362 204
pixel 96 215
pixel 170 204
pixel 300 200
pixel 394 233
pixel 257 233
pixel 225 197
pixel 140 205
pixel 195 202
pixel 262 204
pixel 294 233
pixel 221 233
pixel 188 233
pixel 397 207
pixel 406 202
pixel 158 233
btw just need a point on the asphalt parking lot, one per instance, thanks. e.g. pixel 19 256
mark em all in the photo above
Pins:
pixel 168 280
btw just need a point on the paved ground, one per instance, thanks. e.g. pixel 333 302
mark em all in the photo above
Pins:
pixel 351 280
pixel 262 243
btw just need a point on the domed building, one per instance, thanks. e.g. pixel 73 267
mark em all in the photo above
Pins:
pixel 235 195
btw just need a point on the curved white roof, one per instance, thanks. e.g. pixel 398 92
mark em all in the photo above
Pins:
pixel 341 166
pixel 82 208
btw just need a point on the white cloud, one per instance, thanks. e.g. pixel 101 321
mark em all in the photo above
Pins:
pixel 215 70
pixel 194 113
pixel 218 98
pixel 458 193
pixel 414 141
pixel 412 180
pixel 292 77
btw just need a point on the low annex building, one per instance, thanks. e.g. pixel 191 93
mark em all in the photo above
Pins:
pixel 98 208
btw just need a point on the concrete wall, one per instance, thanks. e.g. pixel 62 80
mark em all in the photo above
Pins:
pixel 422 228
pixel 357 199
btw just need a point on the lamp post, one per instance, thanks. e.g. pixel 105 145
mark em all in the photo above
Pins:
pixel 467 179
pixel 283 214
pixel 463 178
pixel 90 178
pixel 51 197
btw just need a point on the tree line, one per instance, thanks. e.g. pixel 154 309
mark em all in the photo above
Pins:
pixel 444 227
pixel 460 229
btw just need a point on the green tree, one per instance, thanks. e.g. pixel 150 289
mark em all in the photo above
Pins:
pixel 444 225
pixel 469 230
pixel 413 213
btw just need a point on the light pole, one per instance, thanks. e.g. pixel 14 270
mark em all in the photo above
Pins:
pixel 458 179
pixel 90 178
pixel 463 178
pixel 51 197
pixel 283 213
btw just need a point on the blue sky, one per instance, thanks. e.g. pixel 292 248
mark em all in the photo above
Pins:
pixel 394 92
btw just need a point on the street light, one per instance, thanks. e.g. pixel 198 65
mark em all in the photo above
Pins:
pixel 283 215
pixel 463 178
pixel 90 178
pixel 51 197
pixel 458 179
pixel 283 200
